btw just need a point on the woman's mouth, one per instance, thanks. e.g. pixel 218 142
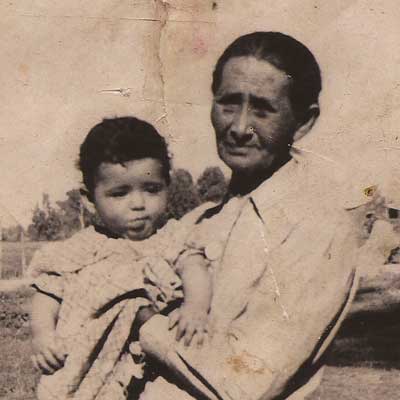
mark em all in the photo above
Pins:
pixel 237 150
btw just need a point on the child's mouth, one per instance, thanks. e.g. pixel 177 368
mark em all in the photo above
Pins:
pixel 137 224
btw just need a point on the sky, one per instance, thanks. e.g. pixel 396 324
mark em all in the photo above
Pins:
pixel 63 64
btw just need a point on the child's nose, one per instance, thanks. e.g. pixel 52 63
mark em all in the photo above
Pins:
pixel 136 200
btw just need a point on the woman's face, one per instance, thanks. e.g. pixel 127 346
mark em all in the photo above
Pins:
pixel 252 114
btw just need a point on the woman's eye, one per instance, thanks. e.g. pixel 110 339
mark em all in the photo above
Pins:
pixel 260 113
pixel 228 109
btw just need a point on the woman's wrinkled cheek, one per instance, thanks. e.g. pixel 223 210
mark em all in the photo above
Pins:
pixel 218 121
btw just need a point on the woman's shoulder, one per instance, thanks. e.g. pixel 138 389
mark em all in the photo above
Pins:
pixel 187 221
pixel 193 216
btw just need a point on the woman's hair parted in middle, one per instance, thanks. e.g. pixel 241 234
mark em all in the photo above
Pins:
pixel 119 140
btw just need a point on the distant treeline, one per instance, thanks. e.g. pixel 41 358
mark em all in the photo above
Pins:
pixel 61 220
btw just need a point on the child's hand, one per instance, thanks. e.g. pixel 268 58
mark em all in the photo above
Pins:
pixel 190 320
pixel 49 354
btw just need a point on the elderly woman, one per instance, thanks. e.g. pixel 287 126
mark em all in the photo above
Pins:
pixel 280 246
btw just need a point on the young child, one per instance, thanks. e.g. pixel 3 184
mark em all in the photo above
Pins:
pixel 126 172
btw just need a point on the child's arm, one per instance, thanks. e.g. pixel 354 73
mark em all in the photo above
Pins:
pixel 48 351
pixel 192 316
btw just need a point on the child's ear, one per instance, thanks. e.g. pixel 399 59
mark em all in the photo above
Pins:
pixel 87 200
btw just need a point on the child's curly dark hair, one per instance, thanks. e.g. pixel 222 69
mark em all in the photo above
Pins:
pixel 118 140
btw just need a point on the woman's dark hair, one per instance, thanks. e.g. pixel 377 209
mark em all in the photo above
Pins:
pixel 286 54
pixel 118 140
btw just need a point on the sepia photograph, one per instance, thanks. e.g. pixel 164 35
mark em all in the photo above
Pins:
pixel 200 200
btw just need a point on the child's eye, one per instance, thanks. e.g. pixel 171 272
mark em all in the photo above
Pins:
pixel 118 193
pixel 153 187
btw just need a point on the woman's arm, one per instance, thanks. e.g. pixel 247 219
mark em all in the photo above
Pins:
pixel 49 354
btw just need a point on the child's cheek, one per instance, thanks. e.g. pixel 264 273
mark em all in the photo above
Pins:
pixel 160 203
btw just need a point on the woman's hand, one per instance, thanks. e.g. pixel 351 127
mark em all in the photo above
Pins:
pixel 49 353
pixel 190 320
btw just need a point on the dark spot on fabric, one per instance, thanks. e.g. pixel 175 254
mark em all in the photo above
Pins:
pixel 245 363
pixel 370 191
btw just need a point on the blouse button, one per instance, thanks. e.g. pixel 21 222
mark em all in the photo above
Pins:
pixel 214 251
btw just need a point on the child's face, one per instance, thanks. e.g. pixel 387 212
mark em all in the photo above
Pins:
pixel 131 198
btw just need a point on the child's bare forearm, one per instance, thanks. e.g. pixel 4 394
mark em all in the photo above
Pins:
pixel 48 352
pixel 43 314
pixel 196 282
pixel 192 317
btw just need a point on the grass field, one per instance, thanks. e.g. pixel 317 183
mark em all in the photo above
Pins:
pixel 364 363
pixel 11 257
pixel 17 376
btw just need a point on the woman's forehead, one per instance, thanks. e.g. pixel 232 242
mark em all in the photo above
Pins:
pixel 248 73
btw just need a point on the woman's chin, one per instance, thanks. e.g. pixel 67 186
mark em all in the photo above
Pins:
pixel 237 162
pixel 245 167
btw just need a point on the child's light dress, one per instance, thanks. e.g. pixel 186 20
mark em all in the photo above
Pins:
pixel 101 284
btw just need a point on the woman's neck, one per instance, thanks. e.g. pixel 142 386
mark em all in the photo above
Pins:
pixel 243 182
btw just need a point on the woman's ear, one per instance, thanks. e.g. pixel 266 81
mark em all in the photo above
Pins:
pixel 87 200
pixel 306 122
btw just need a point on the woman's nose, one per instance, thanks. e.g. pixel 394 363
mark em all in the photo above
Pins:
pixel 240 130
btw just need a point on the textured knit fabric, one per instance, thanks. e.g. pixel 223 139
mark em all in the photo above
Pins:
pixel 101 283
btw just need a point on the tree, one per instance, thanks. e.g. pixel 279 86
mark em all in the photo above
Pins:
pixel 53 225
pixel 211 185
pixel 12 233
pixel 74 215
pixel 71 212
pixel 46 222
pixel 183 196
pixel 61 222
